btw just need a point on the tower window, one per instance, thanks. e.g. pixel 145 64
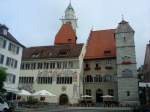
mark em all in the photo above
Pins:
pixel 128 93
pixel 124 38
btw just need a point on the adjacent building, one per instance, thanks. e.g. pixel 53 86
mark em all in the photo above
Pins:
pixel 10 57
pixel 110 65
pixel 145 84
pixel 146 70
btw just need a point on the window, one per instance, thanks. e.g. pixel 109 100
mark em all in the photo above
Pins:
pixel 128 93
pixel 11 62
pixel 111 92
pixel 124 38
pixel 58 65
pixel 46 65
pixel 64 80
pixel 64 64
pixel 127 73
pixel 44 80
pixel 40 65
pixel 97 67
pixel 33 65
pixel 89 78
pixel 13 48
pixel 107 52
pixel 52 65
pixel 11 78
pixel 108 67
pixel 87 66
pixel 2 42
pixel 108 61
pixel 17 50
pixel 26 80
pixel 27 67
pixel 88 92
pixel 108 78
pixel 1 59
pixel 22 66
pixel 70 64
pixel 98 78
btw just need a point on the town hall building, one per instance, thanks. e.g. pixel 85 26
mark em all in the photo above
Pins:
pixel 105 65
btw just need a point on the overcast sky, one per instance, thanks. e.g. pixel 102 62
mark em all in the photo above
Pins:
pixel 36 22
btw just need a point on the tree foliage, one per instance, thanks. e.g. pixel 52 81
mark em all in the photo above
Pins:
pixel 3 76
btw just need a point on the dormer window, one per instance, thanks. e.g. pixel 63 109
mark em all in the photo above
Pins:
pixel 63 52
pixel 69 40
pixel 35 55
pixel 107 52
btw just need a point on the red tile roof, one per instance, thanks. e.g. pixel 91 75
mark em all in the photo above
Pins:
pixel 101 44
pixel 66 35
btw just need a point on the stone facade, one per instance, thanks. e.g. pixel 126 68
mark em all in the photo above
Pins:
pixel 100 78
pixel 126 64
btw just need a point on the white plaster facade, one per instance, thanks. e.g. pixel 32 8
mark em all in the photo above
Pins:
pixel 11 82
pixel 73 90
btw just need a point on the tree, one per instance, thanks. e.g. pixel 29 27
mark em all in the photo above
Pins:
pixel 3 76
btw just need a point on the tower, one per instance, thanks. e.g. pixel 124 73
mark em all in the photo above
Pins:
pixel 126 64
pixel 70 17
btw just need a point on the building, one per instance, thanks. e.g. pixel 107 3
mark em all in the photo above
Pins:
pixel 110 65
pixel 100 70
pixel 145 84
pixel 57 68
pixel 10 57
pixel 146 70
pixel 105 65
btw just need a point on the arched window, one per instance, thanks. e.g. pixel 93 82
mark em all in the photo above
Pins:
pixel 127 73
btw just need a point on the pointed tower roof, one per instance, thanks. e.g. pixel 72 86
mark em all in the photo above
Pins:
pixel 66 35
pixel 70 7
pixel 124 27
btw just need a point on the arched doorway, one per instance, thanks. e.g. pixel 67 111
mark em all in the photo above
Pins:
pixel 63 99
pixel 99 94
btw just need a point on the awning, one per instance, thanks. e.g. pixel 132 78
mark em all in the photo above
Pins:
pixel 143 84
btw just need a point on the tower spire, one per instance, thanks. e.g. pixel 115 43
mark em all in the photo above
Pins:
pixel 70 16
pixel 122 17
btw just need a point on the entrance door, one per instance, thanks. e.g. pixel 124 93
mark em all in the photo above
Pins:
pixel 99 94
pixel 63 99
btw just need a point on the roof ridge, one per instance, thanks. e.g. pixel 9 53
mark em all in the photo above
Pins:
pixel 104 30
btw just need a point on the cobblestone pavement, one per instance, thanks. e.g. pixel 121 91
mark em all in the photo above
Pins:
pixel 72 109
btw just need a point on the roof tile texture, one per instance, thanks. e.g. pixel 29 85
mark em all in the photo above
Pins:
pixel 101 44
pixel 65 35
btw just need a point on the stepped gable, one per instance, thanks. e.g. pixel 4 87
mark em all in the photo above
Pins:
pixel 66 35
pixel 56 51
pixel 101 44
